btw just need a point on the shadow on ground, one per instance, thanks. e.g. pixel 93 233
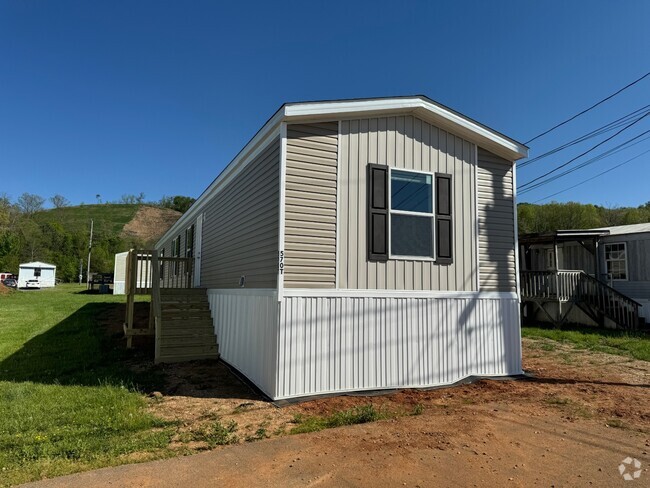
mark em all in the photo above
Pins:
pixel 88 348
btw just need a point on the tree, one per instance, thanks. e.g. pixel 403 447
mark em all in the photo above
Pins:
pixel 179 203
pixel 29 203
pixel 59 201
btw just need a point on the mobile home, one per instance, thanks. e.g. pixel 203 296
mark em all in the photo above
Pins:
pixel 361 245
pixel 37 274
pixel 614 259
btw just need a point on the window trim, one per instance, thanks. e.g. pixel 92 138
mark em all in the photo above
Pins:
pixel 627 270
pixel 432 215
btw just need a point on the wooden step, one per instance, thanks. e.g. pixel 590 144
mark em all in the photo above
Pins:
pixel 184 299
pixel 188 340
pixel 187 314
pixel 189 351
pixel 186 324
pixel 182 358
pixel 182 291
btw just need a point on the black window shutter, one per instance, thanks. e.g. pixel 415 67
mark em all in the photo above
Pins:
pixel 444 224
pixel 377 225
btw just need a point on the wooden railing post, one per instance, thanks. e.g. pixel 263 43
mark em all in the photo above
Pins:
pixel 156 307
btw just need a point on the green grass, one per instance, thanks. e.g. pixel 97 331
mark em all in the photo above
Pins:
pixel 636 345
pixel 109 218
pixel 356 415
pixel 67 402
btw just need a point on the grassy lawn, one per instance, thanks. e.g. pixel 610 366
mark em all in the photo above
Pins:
pixel 67 403
pixel 636 345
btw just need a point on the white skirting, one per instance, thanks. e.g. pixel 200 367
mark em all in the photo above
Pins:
pixel 246 324
pixel 326 344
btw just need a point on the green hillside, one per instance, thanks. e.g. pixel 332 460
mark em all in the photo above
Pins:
pixel 108 218
pixel 61 236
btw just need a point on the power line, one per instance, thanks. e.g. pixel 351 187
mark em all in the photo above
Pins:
pixel 594 177
pixel 588 109
pixel 531 182
pixel 621 147
pixel 601 130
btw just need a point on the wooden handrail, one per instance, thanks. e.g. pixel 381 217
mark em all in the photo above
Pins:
pixel 147 273
pixel 578 286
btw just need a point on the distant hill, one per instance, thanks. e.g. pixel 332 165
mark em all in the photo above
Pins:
pixel 134 222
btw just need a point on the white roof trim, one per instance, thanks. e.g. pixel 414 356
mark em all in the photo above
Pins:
pixel 36 264
pixel 294 112
pixel 475 132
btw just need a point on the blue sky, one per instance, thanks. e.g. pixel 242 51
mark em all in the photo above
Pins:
pixel 124 97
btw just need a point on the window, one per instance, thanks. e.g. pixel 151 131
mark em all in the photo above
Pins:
pixel 189 242
pixel 404 218
pixel 176 252
pixel 37 272
pixel 411 214
pixel 616 260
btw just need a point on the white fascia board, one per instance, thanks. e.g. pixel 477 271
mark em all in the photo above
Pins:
pixel 475 132
pixel 258 143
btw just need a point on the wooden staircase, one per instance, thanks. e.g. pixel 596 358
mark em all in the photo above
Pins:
pixel 185 331
pixel 576 288
pixel 179 315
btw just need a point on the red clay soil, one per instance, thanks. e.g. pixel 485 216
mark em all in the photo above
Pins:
pixel 570 425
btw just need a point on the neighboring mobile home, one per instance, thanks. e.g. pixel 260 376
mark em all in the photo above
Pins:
pixel 618 257
pixel 361 245
pixel 36 274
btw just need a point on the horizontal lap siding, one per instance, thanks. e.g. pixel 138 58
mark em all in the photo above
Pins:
pixel 334 344
pixel 310 208
pixel 496 238
pixel 240 228
pixel 410 143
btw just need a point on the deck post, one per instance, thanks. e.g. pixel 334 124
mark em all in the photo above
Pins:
pixel 557 282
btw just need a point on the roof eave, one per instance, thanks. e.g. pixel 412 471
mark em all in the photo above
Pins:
pixel 437 114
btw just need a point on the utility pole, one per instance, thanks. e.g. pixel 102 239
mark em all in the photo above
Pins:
pixel 81 267
pixel 90 248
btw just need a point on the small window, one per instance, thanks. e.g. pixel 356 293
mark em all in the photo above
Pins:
pixel 616 261
pixel 37 272
pixel 189 242
pixel 411 214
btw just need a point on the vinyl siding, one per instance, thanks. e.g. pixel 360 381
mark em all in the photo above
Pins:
pixel 497 267
pixel 310 206
pixel 240 227
pixel 638 264
pixel 343 343
pixel 405 142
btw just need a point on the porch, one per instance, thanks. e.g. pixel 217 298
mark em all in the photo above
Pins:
pixel 179 315
pixel 556 293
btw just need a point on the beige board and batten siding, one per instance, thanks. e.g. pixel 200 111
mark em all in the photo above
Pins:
pixel 497 266
pixel 240 227
pixel 404 142
pixel 310 206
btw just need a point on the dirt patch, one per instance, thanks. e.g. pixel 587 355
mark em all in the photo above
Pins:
pixel 150 223
pixel 5 290
pixel 570 424
pixel 571 386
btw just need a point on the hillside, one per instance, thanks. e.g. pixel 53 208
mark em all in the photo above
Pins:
pixel 133 222
pixel 60 236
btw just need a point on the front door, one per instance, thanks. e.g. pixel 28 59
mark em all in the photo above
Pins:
pixel 198 241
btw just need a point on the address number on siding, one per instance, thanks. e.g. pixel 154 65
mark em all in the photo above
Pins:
pixel 281 262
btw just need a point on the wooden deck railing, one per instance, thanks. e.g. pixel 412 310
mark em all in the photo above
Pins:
pixel 146 274
pixel 578 286
pixel 559 285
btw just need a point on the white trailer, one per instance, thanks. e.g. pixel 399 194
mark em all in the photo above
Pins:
pixel 36 275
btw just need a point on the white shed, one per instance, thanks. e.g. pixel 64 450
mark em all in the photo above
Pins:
pixel 43 273
pixel 119 273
